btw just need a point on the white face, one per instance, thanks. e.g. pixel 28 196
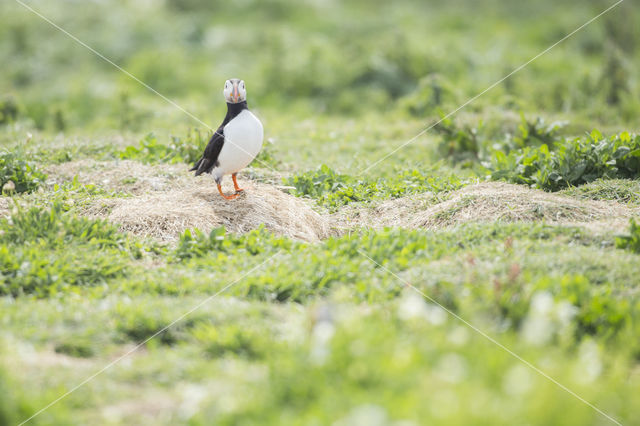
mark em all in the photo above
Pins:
pixel 234 91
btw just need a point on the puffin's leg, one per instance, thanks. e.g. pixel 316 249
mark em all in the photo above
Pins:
pixel 235 183
pixel 228 197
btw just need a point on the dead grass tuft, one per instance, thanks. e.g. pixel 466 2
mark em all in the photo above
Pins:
pixel 397 212
pixel 168 200
pixel 503 202
pixel 166 214
pixel 488 202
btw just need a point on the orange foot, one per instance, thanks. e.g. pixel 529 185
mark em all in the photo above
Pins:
pixel 235 183
pixel 228 197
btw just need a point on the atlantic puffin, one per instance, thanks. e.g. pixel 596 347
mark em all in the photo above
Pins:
pixel 237 141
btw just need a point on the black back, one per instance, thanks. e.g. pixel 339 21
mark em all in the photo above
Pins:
pixel 209 158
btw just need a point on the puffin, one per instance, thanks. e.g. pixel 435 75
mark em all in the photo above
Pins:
pixel 237 141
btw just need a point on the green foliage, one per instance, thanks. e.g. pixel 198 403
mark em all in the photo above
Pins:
pixel 74 189
pixel 232 340
pixel 459 144
pixel 316 183
pixel 36 269
pixel 631 241
pixel 537 132
pixel 57 229
pixel 74 196
pixel 467 144
pixel 26 176
pixel 79 348
pixel 197 244
pixel 63 154
pixel 332 189
pixel 337 264
pixel 432 91
pixel 43 252
pixel 358 327
pixel 573 162
pixel 138 324
pixel 181 150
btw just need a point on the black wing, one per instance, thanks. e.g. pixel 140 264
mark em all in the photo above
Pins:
pixel 209 159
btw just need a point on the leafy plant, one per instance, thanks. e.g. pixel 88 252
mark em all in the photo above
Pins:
pixel 631 241
pixel 57 229
pixel 459 143
pixel 537 132
pixel 43 252
pixel 79 348
pixel 466 144
pixel 180 150
pixel 332 189
pixel 135 323
pixel 24 175
pixel 195 243
pixel 219 341
pixel 40 270
pixel 573 162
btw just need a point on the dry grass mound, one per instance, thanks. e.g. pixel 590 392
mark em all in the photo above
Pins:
pixel 503 202
pixel 488 202
pixel 166 214
pixel 397 212
pixel 166 200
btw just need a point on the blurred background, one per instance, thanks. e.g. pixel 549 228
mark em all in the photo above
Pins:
pixel 314 67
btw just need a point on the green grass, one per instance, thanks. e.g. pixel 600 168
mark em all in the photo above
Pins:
pixel 45 252
pixel 317 333
pixel 181 150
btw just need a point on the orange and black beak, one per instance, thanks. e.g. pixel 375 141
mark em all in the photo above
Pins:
pixel 235 95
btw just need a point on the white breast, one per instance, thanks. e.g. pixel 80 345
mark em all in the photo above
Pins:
pixel 242 142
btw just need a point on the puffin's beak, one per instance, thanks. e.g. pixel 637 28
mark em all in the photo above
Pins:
pixel 235 95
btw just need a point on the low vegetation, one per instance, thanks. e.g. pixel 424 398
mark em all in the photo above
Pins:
pixel 180 150
pixel 18 174
pixel 468 145
pixel 631 241
pixel 45 252
pixel 571 162
pixel 332 189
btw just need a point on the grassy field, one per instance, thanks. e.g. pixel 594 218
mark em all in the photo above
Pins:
pixel 486 273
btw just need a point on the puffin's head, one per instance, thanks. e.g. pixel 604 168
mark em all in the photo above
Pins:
pixel 234 91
